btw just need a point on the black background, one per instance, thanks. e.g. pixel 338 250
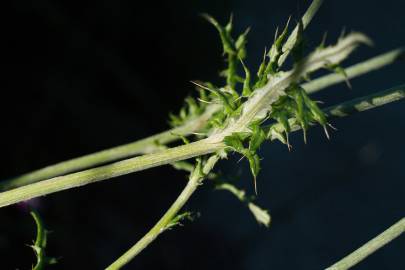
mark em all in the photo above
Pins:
pixel 81 76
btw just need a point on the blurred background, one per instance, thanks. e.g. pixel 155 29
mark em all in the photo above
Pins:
pixel 82 76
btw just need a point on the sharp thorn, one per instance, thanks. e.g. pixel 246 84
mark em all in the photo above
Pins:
pixel 240 159
pixel 255 184
pixel 332 127
pixel 326 132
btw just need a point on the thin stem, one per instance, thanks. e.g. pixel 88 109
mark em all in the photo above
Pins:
pixel 151 144
pixel 144 162
pixel 144 146
pixel 355 105
pixel 367 102
pixel 354 71
pixel 370 247
pixel 164 223
pixel 306 19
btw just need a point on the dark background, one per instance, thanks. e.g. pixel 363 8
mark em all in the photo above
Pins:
pixel 81 76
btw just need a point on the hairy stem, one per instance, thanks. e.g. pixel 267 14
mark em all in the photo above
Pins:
pixel 144 146
pixel 370 247
pixel 164 223
pixel 306 19
pixel 344 109
pixel 354 71
pixel 108 171
pixel 173 154
pixel 151 144
pixel 355 105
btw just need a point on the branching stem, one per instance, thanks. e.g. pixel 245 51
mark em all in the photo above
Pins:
pixel 173 154
pixel 108 171
pixel 151 144
pixel 145 146
pixel 163 224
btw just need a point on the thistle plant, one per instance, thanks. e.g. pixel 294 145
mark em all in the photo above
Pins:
pixel 252 107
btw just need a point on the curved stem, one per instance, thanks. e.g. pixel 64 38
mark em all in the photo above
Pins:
pixel 164 223
pixel 370 247
pixel 108 171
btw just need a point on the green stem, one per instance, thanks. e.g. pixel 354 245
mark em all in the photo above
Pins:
pixel 161 226
pixel 370 247
pixel 342 110
pixel 144 162
pixel 151 144
pixel 306 19
pixel 144 146
pixel 367 102
pixel 173 154
pixel 355 105
pixel 359 69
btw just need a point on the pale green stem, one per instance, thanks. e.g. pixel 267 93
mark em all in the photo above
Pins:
pixel 256 107
pixel 144 146
pixel 151 144
pixel 306 19
pixel 368 102
pixel 370 247
pixel 172 154
pixel 354 71
pixel 144 162
pixel 139 147
pixel 161 226
pixel 344 109
pixel 355 105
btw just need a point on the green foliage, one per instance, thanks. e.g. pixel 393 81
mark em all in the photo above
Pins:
pixel 295 106
pixel 246 103
pixel 40 244
pixel 261 215
pixel 233 50
pixel 254 138
pixel 179 219
pixel 191 109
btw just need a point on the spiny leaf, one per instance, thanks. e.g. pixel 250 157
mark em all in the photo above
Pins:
pixel 235 142
pixel 276 50
pixel 225 98
pixel 275 134
pixel 298 50
pixel 224 33
pixel 178 219
pixel 40 244
pixel 247 90
pixel 341 71
pixel 262 66
pixel 257 138
pixel 240 44
pixel 317 113
pixel 261 215
pixel 300 112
